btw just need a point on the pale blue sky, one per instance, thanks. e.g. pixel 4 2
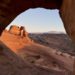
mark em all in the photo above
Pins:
pixel 39 20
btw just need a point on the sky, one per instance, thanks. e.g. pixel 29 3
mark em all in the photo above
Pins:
pixel 39 20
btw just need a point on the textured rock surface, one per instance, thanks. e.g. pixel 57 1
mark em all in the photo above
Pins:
pixel 11 64
pixel 18 31
pixel 14 30
pixel 68 17
pixel 57 41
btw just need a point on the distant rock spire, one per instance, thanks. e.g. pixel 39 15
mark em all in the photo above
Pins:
pixel 18 31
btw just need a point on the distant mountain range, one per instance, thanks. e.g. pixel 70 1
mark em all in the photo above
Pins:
pixel 50 32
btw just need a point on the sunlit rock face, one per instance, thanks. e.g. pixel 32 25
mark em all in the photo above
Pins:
pixel 14 30
pixel 15 38
pixel 18 31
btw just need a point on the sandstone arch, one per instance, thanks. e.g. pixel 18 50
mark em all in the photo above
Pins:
pixel 9 9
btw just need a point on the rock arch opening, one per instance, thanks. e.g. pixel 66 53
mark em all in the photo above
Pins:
pixel 47 24
pixel 40 20
pixel 66 8
pixel 20 6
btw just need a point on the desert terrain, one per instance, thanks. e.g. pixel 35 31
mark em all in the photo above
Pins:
pixel 55 40
pixel 34 54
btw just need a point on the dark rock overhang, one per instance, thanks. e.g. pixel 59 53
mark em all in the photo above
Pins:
pixel 9 9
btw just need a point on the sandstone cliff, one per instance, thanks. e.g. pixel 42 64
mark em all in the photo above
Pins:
pixel 16 37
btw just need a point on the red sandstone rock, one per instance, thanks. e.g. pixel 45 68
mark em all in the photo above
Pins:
pixel 18 31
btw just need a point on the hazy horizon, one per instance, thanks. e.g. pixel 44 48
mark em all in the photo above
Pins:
pixel 39 20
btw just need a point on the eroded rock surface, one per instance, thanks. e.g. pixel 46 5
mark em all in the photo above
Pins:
pixel 67 13
pixel 18 31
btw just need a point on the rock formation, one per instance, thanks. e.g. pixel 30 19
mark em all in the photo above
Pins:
pixel 18 31
pixel 67 14
pixel 9 9
pixel 38 55
pixel 65 7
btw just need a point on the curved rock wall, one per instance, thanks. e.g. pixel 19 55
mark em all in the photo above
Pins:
pixel 9 9
pixel 67 13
